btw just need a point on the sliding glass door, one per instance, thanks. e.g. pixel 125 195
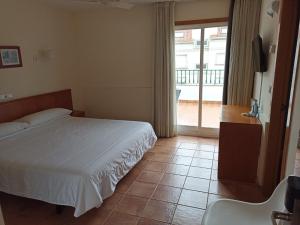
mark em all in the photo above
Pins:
pixel 200 59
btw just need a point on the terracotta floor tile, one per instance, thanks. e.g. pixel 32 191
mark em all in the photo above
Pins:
pixel 163 149
pixel 187 216
pixel 209 141
pixel 173 180
pixel 216 156
pixel 124 184
pixel 187 139
pixel 150 177
pixel 36 213
pixel 141 164
pixel 145 221
pixel 167 193
pixel 118 218
pixel 161 211
pixel 213 198
pixel 199 172
pixel 215 165
pixel 205 147
pixel 131 205
pixel 93 217
pixel 189 145
pixel 249 193
pixel 214 175
pixel 177 169
pixel 205 163
pixel 185 152
pixel 193 199
pixel 167 142
pixel 237 190
pixel 196 184
pixel 133 173
pixel 112 201
pixel 156 166
pixel 204 155
pixel 132 195
pixel 148 155
pixel 216 148
pixel 182 160
pixel 161 157
pixel 141 189
pixel 224 188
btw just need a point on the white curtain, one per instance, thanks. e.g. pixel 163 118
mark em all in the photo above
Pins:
pixel 245 25
pixel 164 69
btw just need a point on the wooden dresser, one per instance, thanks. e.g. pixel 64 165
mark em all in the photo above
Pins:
pixel 239 145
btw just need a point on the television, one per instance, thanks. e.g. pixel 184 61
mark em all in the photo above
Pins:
pixel 259 57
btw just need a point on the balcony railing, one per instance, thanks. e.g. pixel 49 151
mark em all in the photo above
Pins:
pixel 192 77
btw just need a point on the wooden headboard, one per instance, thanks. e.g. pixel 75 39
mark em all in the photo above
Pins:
pixel 18 108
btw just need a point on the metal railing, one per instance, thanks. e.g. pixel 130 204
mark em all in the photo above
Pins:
pixel 192 77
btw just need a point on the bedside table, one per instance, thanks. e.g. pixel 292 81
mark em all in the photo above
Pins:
pixel 78 113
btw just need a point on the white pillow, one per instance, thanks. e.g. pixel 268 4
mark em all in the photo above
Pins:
pixel 44 116
pixel 11 128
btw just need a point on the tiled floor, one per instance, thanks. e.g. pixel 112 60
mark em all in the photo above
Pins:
pixel 173 184
pixel 187 114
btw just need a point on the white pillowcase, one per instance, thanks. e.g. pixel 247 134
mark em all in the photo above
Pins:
pixel 44 116
pixel 11 128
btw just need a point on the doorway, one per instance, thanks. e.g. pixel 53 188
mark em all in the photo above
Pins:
pixel 200 59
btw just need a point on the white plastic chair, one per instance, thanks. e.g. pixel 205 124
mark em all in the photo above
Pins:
pixel 232 212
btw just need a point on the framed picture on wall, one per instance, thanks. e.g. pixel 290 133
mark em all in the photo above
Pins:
pixel 10 56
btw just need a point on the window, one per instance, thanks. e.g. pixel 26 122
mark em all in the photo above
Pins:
pixel 198 43
pixel 204 66
pixel 220 59
pixel 179 35
pixel 223 30
pixel 181 62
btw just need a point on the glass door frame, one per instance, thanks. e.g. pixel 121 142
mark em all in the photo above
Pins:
pixel 199 130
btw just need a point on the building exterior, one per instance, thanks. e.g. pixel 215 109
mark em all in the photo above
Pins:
pixel 188 47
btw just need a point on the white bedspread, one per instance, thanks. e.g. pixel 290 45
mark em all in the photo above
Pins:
pixel 72 161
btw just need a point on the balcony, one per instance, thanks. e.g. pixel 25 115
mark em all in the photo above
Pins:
pixel 187 86
pixel 192 77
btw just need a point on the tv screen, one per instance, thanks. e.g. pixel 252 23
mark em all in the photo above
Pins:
pixel 258 55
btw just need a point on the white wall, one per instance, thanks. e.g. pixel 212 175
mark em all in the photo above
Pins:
pixel 116 62
pixel 35 26
pixel 202 9
pixel 269 32
pixel 116 56
pixel 105 55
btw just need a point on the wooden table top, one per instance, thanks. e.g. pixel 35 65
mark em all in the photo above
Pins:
pixel 233 114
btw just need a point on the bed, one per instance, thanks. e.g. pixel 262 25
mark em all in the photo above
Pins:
pixel 71 161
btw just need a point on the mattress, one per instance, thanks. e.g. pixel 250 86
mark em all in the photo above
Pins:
pixel 72 161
